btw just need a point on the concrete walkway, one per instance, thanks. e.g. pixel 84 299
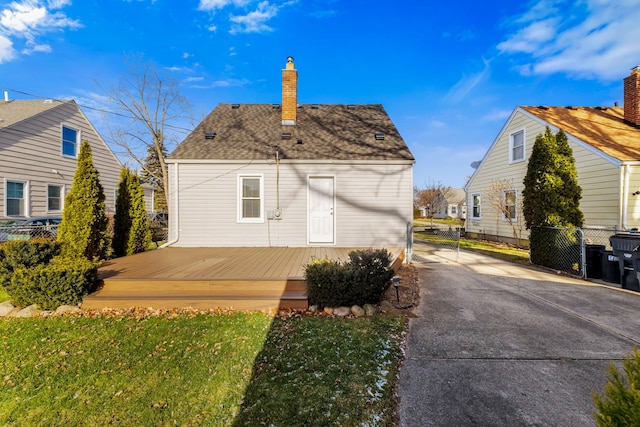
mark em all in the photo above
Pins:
pixel 497 344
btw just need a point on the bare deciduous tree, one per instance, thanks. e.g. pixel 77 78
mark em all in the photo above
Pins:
pixel 151 107
pixel 503 198
pixel 432 198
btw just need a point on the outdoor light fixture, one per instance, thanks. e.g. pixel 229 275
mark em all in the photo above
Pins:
pixel 396 284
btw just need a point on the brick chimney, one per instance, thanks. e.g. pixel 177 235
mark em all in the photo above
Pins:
pixel 632 97
pixel 289 93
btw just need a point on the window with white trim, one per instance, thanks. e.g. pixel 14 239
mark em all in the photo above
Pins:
pixel 475 202
pixel 250 198
pixel 510 199
pixel 15 198
pixel 69 141
pixel 55 197
pixel 516 146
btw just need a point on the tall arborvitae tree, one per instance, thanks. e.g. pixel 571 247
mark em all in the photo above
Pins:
pixel 152 174
pixel 84 228
pixel 131 233
pixel 551 195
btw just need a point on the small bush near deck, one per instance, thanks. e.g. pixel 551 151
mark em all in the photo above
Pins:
pixel 62 281
pixel 363 279
pixel 621 400
pixel 24 253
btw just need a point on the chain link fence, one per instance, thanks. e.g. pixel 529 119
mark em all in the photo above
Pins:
pixel 574 251
pixel 27 232
pixel 447 239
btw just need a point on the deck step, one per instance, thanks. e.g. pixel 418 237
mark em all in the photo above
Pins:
pixel 199 294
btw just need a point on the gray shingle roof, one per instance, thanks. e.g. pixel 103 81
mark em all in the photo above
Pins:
pixel 15 111
pixel 328 132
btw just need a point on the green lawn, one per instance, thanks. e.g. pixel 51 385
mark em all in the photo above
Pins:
pixel 205 369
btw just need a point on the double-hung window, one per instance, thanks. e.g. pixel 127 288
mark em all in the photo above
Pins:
pixel 15 198
pixel 55 195
pixel 510 205
pixel 250 198
pixel 516 146
pixel 475 203
pixel 69 141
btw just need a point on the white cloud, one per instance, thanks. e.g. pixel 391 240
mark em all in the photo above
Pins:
pixel 7 53
pixel 467 83
pixel 254 22
pixel 219 4
pixel 584 38
pixel 31 20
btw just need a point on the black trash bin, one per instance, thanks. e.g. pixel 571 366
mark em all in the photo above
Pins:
pixel 610 268
pixel 626 246
pixel 594 261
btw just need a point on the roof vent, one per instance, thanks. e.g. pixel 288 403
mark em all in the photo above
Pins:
pixel 48 101
pixel 314 106
pixel 351 106
pixel 542 107
pixel 379 136
pixel 209 135
pixel 285 135
pixel 571 107
pixel 299 142
pixel 601 108
pixel 235 106
pixel 275 106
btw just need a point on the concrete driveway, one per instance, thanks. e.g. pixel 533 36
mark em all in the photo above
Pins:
pixel 496 344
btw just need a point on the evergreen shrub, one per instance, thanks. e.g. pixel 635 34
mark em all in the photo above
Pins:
pixel 621 400
pixel 361 280
pixel 24 253
pixel 59 282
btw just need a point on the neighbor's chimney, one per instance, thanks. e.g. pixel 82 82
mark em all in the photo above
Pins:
pixel 632 97
pixel 289 93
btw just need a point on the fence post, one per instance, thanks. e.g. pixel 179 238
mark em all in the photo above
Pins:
pixel 583 253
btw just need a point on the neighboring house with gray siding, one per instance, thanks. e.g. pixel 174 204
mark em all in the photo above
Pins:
pixel 292 175
pixel 606 147
pixel 39 144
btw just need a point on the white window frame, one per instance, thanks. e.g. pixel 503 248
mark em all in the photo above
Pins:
pixel 77 144
pixel 62 194
pixel 515 204
pixel 259 219
pixel 473 197
pixel 25 199
pixel 512 135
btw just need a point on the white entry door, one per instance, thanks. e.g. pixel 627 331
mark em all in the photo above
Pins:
pixel 321 199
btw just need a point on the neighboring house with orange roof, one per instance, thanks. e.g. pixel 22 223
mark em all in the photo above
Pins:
pixel 606 147
pixel 39 145
pixel 290 174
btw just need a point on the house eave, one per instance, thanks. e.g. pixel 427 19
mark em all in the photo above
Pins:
pixel 292 161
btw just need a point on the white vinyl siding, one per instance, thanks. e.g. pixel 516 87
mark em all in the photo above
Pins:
pixel 374 204
pixel 31 151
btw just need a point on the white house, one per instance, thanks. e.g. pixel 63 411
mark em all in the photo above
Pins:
pixel 606 148
pixel 39 144
pixel 292 175
pixel 450 202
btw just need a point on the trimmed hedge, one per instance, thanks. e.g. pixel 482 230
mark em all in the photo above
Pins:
pixel 24 253
pixel 621 400
pixel 361 280
pixel 60 282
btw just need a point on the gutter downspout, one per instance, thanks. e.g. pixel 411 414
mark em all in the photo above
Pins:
pixel 175 213
pixel 625 197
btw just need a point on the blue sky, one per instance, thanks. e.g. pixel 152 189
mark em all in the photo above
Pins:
pixel 448 74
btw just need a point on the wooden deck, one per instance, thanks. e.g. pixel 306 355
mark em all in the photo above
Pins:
pixel 238 277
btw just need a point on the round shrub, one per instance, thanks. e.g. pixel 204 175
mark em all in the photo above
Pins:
pixel 326 282
pixel 24 253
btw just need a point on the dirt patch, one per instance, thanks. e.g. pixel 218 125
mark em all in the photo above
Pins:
pixel 407 297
